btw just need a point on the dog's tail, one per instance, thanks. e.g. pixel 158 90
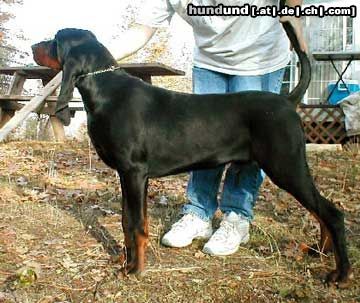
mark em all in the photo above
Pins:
pixel 298 92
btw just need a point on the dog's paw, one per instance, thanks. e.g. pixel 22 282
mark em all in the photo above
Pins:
pixel 339 279
pixel 132 268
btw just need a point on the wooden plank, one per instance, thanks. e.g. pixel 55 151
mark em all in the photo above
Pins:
pixel 46 110
pixel 29 72
pixel 21 98
pixel 17 84
pixel 31 106
pixel 151 69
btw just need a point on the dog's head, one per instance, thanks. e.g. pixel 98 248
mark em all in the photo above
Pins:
pixel 57 54
pixel 53 53
pixel 45 54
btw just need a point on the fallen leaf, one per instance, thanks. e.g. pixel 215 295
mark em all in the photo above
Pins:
pixel 199 254
pixel 28 237
pixel 28 274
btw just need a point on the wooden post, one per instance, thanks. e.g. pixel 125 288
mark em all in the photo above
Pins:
pixel 16 87
pixel 57 126
pixel 31 106
pixel 58 129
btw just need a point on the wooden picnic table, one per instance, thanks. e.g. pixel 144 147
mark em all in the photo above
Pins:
pixel 142 70
pixel 10 102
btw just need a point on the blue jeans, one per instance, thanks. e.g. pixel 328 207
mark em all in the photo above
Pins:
pixel 240 188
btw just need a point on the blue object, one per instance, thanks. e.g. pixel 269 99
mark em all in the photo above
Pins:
pixel 240 185
pixel 341 91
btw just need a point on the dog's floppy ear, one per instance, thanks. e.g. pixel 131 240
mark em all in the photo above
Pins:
pixel 53 49
pixel 68 38
pixel 62 110
pixel 65 41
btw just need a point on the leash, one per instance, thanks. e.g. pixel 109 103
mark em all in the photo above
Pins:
pixel 109 69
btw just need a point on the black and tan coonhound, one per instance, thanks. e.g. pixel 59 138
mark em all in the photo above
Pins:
pixel 144 131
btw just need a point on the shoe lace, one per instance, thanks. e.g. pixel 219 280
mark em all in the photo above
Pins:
pixel 222 234
pixel 183 223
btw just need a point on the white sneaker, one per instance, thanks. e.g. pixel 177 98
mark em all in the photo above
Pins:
pixel 184 231
pixel 233 230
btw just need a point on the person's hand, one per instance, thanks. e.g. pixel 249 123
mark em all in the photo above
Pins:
pixel 297 25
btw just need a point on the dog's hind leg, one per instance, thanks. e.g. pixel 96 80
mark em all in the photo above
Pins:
pixel 289 170
pixel 326 244
pixel 134 219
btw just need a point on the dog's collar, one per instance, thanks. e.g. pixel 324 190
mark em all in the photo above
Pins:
pixel 110 69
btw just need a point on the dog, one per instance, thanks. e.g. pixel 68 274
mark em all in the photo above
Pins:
pixel 144 132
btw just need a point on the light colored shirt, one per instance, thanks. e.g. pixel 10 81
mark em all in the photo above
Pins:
pixel 236 45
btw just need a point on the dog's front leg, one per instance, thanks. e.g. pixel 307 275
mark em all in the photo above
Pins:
pixel 134 219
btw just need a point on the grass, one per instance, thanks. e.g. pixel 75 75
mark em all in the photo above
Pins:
pixel 60 235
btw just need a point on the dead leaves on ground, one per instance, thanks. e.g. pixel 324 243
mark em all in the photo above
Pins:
pixel 43 184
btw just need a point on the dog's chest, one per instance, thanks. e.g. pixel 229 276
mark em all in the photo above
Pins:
pixel 99 136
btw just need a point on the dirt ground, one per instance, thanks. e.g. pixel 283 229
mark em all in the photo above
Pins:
pixel 60 235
